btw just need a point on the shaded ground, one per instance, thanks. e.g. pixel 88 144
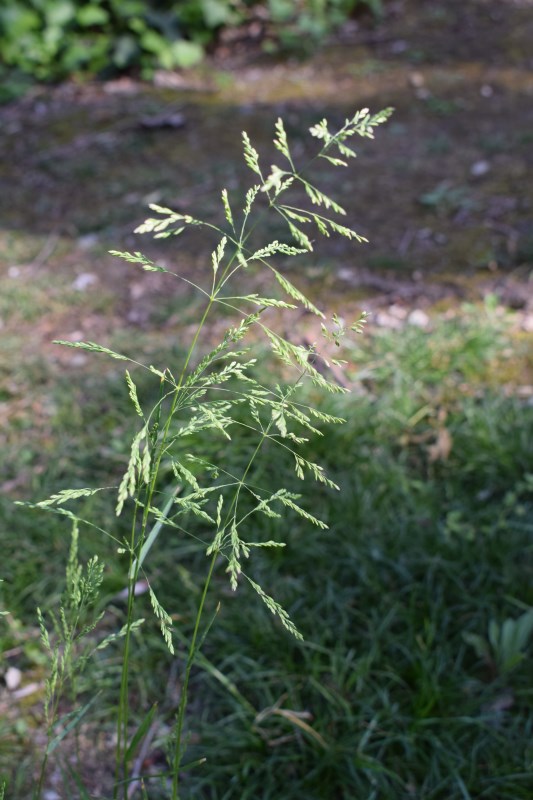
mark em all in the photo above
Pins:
pixel 444 194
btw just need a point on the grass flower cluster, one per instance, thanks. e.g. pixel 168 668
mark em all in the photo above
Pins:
pixel 168 481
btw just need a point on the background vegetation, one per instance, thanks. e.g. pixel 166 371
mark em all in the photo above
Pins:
pixel 50 39
pixel 413 678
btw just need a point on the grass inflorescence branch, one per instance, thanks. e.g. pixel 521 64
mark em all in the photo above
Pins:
pixel 217 394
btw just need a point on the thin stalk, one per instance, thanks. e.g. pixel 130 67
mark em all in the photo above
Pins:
pixel 136 545
pixel 192 648
pixel 121 764
pixel 38 792
pixel 183 699
pixel 123 708
pixel 137 542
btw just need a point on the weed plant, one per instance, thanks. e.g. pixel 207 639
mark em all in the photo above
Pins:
pixel 208 398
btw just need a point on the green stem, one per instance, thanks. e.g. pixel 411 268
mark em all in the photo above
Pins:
pixel 183 699
pixel 192 648
pixel 122 715
pixel 136 545
pixel 39 789
pixel 121 764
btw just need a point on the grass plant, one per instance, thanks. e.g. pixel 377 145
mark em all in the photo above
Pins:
pixel 413 677
pixel 165 484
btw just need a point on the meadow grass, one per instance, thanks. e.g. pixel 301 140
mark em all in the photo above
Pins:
pixel 388 695
pixel 412 672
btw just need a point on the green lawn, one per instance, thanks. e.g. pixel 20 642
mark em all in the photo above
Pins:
pixel 412 680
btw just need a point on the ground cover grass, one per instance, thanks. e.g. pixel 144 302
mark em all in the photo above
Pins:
pixel 404 686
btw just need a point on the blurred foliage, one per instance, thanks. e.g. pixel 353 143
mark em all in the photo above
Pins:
pixel 299 25
pixel 50 39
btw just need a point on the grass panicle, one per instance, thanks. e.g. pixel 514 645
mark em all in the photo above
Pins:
pixel 218 395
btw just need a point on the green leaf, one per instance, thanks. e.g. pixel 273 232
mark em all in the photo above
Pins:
pixel 479 643
pixel 152 536
pixel 218 12
pixel 91 15
pixel 125 50
pixel 183 54
pixel 140 733
pixel 75 718
pixel 59 14
pixel 75 778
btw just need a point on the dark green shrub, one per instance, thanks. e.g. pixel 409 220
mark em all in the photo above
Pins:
pixel 50 39
pixel 300 25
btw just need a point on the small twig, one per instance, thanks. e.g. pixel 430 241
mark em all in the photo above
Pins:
pixel 405 242
pixel 143 752
pixel 46 251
